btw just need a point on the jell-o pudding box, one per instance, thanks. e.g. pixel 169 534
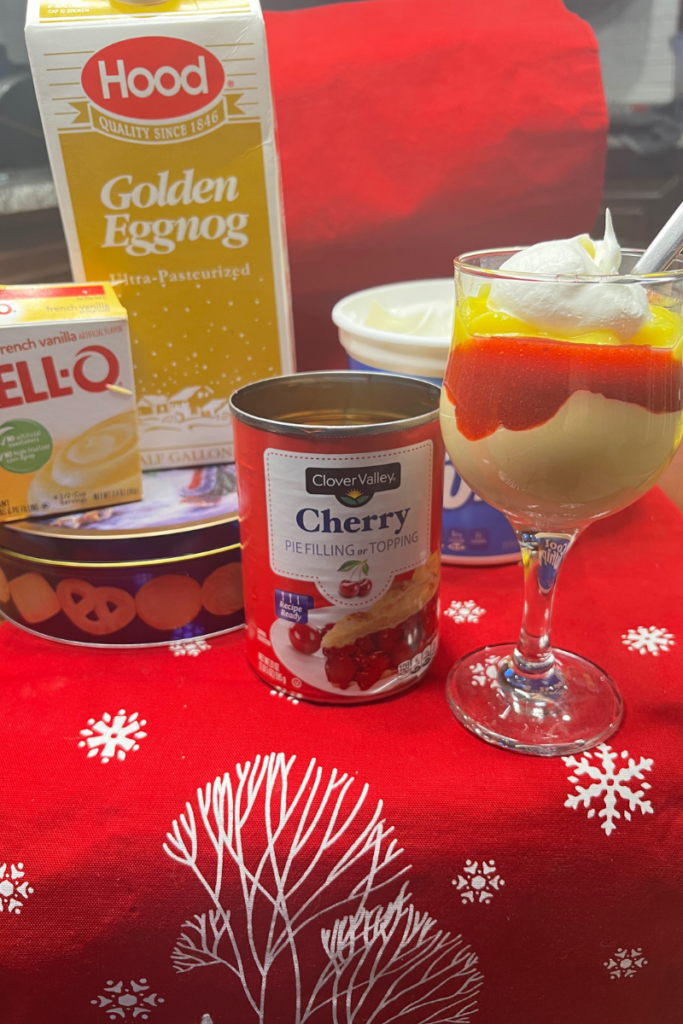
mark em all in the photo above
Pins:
pixel 68 424
pixel 159 126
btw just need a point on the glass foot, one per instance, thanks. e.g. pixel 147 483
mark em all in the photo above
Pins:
pixel 576 716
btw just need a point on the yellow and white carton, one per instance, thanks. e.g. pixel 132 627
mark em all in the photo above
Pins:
pixel 159 124
pixel 68 424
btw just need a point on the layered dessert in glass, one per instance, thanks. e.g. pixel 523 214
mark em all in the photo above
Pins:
pixel 562 403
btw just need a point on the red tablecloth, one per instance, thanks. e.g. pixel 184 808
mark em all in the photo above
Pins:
pixel 420 874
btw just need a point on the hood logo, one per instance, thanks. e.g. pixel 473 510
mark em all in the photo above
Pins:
pixel 153 78
pixel 353 487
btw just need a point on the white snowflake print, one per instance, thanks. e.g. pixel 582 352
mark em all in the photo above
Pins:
pixel 192 647
pixel 488 672
pixel 113 736
pixel 280 693
pixel 464 611
pixel 481 883
pixel 609 783
pixel 650 640
pixel 13 891
pixel 121 1001
pixel 625 963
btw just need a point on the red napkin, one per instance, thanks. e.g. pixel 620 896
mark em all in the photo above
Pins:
pixel 413 130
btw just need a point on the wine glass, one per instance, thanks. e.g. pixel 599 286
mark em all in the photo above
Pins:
pixel 556 432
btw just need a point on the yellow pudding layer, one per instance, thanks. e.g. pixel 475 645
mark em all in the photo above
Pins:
pixel 594 457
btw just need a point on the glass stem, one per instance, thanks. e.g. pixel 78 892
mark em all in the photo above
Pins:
pixel 542 557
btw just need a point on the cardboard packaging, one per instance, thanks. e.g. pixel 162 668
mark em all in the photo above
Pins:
pixel 68 425
pixel 159 125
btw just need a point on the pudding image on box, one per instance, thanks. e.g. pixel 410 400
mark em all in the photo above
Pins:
pixel 68 425
pixel 159 126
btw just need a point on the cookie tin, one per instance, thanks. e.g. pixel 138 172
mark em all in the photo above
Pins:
pixel 340 478
pixel 167 568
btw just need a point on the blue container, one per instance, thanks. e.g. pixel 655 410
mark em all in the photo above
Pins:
pixel 473 532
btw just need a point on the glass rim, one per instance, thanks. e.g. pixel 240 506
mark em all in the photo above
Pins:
pixel 662 277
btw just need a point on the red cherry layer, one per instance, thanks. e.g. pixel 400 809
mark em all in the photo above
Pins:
pixel 520 383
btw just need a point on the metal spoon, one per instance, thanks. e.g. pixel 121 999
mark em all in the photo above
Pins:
pixel 664 248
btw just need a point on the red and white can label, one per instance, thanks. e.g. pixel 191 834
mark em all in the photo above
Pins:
pixel 352 549
pixel 349 523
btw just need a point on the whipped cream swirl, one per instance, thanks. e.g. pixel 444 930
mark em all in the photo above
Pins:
pixel 572 309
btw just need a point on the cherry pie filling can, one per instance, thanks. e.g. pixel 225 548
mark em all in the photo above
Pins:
pixel 340 480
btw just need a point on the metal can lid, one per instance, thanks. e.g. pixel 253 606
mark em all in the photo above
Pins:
pixel 337 403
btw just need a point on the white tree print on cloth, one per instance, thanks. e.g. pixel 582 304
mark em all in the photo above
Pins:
pixel 14 889
pixel 480 884
pixel 609 784
pixel 309 927
pixel 122 1001
pixel 486 672
pixel 194 648
pixel 625 963
pixel 464 611
pixel 650 640
pixel 116 735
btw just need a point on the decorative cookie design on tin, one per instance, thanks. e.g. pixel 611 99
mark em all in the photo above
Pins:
pixel 34 598
pixel 222 591
pixel 169 602
pixel 98 611
pixel 5 594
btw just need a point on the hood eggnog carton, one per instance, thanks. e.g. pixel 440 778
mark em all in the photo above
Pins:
pixel 68 430
pixel 160 131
